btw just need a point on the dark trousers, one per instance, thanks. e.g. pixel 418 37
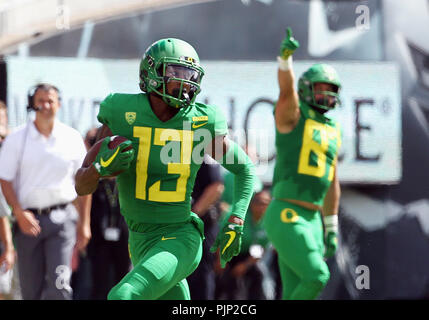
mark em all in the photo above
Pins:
pixel 202 282
pixel 247 287
pixel 44 261
pixel 110 262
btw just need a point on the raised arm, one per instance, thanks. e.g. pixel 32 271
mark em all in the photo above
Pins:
pixel 287 108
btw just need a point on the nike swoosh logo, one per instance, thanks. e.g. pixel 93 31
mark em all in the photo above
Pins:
pixel 195 126
pixel 321 40
pixel 231 239
pixel 109 161
pixel 164 238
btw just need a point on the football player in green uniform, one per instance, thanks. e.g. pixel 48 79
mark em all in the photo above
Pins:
pixel 169 133
pixel 305 178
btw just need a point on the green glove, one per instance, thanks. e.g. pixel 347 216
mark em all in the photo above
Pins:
pixel 288 45
pixel 229 241
pixel 110 161
pixel 330 244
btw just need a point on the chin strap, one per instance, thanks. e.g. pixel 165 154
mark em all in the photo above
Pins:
pixel 320 110
pixel 185 95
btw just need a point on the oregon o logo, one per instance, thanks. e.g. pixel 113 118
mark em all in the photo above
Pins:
pixel 289 215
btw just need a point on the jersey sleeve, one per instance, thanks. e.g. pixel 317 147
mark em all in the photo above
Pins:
pixel 105 114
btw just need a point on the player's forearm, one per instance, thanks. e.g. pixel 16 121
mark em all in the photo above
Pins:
pixel 237 162
pixel 286 80
pixel 86 180
pixel 211 194
pixel 5 234
pixel 10 196
pixel 332 199
pixel 287 107
pixel 330 208
pixel 83 205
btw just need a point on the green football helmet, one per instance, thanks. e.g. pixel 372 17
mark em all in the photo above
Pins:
pixel 319 73
pixel 171 60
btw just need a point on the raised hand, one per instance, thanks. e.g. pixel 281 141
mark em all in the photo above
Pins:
pixel 288 45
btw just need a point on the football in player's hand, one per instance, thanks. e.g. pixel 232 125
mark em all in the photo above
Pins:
pixel 116 141
pixel 93 151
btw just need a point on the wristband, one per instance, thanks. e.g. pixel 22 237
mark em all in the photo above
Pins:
pixel 284 65
pixel 331 223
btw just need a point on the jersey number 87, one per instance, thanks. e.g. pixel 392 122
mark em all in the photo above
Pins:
pixel 311 147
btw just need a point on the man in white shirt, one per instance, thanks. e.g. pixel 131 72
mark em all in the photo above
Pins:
pixel 37 166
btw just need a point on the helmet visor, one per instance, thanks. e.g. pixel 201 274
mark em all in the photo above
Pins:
pixel 181 84
pixel 178 72
pixel 326 99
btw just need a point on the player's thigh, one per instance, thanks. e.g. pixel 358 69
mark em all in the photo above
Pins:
pixel 163 264
pixel 291 228
pixel 173 259
pixel 289 279
pixel 316 226
pixel 281 222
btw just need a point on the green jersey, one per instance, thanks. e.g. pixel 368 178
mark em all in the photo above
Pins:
pixel 306 158
pixel 158 185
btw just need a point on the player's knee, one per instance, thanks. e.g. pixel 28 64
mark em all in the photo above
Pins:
pixel 123 291
pixel 116 293
pixel 323 277
pixel 318 279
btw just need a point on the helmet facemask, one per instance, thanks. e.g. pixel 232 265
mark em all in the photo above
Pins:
pixel 328 100
pixel 185 82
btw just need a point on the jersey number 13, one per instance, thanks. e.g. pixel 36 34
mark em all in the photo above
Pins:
pixel 183 168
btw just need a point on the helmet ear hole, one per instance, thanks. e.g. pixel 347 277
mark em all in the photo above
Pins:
pixel 143 77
